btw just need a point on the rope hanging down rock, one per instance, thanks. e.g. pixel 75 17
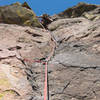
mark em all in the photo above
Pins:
pixel 46 83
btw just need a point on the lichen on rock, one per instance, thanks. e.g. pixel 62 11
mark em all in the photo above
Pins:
pixel 75 11
pixel 18 14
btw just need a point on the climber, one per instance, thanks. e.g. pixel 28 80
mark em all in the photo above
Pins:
pixel 45 20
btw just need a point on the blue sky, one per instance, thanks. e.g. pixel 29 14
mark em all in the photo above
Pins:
pixel 49 6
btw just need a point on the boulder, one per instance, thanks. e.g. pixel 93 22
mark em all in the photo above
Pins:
pixel 75 11
pixel 18 14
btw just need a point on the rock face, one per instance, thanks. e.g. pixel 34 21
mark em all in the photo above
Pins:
pixel 16 44
pixel 74 70
pixel 18 14
pixel 76 11
pixel 74 66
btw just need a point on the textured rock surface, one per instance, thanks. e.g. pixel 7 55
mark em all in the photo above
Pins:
pixel 74 69
pixel 18 43
pixel 76 11
pixel 18 14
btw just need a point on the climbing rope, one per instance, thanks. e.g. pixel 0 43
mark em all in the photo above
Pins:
pixel 46 84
